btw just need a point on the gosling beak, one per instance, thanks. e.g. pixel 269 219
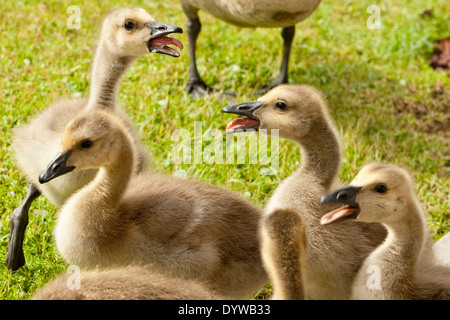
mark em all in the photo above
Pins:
pixel 56 168
pixel 345 196
pixel 159 43
pixel 249 123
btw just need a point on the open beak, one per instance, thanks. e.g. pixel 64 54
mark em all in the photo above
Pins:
pixel 345 196
pixel 249 123
pixel 56 168
pixel 159 42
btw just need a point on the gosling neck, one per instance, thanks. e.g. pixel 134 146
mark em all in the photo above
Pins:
pixel 108 68
pixel 320 153
pixel 106 190
pixel 402 248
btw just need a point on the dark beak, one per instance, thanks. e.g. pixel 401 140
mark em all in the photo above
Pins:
pixel 56 168
pixel 345 195
pixel 347 198
pixel 158 41
pixel 160 29
pixel 249 123
pixel 244 108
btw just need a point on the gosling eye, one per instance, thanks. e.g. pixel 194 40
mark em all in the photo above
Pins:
pixel 86 144
pixel 280 105
pixel 380 188
pixel 129 25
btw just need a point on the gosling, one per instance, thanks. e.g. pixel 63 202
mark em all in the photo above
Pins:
pixel 399 268
pixel 177 227
pixel 125 283
pixel 126 35
pixel 333 255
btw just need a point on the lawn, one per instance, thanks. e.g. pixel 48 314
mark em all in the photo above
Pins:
pixel 388 104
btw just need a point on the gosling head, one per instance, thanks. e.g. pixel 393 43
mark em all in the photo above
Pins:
pixel 132 32
pixel 92 140
pixel 379 193
pixel 292 109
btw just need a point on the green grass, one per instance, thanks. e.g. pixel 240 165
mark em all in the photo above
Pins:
pixel 373 80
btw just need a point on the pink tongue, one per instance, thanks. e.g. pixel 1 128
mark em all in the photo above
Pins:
pixel 241 123
pixel 336 214
pixel 164 41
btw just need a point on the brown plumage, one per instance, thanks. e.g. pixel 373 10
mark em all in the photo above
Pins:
pixel 36 143
pixel 333 254
pixel 126 283
pixel 284 253
pixel 178 227
pixel 400 268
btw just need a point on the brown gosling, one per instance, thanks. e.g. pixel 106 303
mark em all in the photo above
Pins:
pixel 334 254
pixel 399 268
pixel 283 14
pixel 126 35
pixel 125 283
pixel 178 227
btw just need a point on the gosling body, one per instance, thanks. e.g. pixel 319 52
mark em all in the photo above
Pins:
pixel 333 256
pixel 400 267
pixel 126 283
pixel 177 227
pixel 36 143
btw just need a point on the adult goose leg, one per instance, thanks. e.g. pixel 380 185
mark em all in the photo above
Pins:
pixel 288 36
pixel 196 86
